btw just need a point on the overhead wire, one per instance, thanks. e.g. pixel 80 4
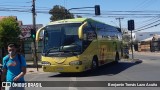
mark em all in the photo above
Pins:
pixel 141 4
pixel 147 27
pixel 148 24
pixel 111 14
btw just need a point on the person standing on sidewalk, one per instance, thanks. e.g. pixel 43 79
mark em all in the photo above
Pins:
pixel 14 67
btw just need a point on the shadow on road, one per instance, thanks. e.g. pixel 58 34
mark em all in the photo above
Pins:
pixel 109 69
pixel 34 66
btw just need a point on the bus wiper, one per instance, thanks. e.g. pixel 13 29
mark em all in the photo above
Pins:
pixel 46 53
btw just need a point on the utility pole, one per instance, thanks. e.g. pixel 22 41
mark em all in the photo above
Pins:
pixel 33 14
pixel 131 28
pixel 119 19
pixel 35 62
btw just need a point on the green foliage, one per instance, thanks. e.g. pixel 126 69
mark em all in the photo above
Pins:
pixel 9 31
pixel 59 12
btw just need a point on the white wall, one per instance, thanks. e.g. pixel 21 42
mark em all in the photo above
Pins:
pixel 133 35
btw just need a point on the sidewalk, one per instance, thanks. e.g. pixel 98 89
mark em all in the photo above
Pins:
pixel 136 60
pixel 147 53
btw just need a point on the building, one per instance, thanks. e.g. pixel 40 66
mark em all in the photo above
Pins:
pixel 26 29
pixel 28 46
pixel 150 44
pixel 140 36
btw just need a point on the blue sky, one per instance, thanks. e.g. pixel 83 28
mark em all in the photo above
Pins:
pixel 105 5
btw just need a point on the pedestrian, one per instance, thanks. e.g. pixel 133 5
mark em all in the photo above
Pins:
pixel 14 67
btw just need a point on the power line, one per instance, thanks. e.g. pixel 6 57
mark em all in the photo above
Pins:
pixel 142 4
pixel 144 22
pixel 148 24
pixel 124 14
pixel 151 19
pixel 28 11
pixel 147 27
pixel 132 14
pixel 142 11
pixel 14 6
pixel 16 2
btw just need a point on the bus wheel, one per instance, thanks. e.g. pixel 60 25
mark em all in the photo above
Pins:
pixel 94 63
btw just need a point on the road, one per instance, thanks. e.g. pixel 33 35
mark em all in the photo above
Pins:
pixel 148 70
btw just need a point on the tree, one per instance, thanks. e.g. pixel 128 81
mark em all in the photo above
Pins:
pixel 9 32
pixel 59 12
pixel 126 38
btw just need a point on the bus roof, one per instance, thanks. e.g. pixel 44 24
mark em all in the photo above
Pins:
pixel 75 20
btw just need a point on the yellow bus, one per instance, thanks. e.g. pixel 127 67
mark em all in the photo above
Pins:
pixel 77 45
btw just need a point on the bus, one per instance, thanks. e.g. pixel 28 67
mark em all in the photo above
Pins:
pixel 77 45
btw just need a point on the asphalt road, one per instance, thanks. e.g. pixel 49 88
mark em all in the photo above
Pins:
pixel 147 70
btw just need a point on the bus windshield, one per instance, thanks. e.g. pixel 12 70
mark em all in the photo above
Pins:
pixel 61 38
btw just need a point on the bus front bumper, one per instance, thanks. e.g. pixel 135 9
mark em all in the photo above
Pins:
pixel 63 68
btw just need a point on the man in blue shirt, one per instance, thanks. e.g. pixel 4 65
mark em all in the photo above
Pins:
pixel 14 67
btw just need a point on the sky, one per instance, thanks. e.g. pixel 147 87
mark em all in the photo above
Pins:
pixel 145 13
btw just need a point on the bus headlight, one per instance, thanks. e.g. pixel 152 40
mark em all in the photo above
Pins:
pixel 45 63
pixel 75 63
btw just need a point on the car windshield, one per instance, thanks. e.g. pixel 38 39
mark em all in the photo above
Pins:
pixel 61 38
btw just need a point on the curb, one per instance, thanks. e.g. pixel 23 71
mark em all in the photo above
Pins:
pixel 133 61
pixel 137 61
pixel 147 53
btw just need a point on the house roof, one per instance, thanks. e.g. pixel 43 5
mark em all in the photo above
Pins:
pixel 150 38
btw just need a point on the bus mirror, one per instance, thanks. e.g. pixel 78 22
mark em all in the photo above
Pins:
pixel 80 30
pixel 38 34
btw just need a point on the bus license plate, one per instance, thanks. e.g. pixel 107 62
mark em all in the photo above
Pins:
pixel 60 69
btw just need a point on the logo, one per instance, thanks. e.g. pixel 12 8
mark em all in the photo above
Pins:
pixel 12 63
pixel 6 84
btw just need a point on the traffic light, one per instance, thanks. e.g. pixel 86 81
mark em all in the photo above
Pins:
pixel 130 24
pixel 33 33
pixel 97 10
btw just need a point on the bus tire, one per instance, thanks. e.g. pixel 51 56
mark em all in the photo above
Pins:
pixel 94 63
